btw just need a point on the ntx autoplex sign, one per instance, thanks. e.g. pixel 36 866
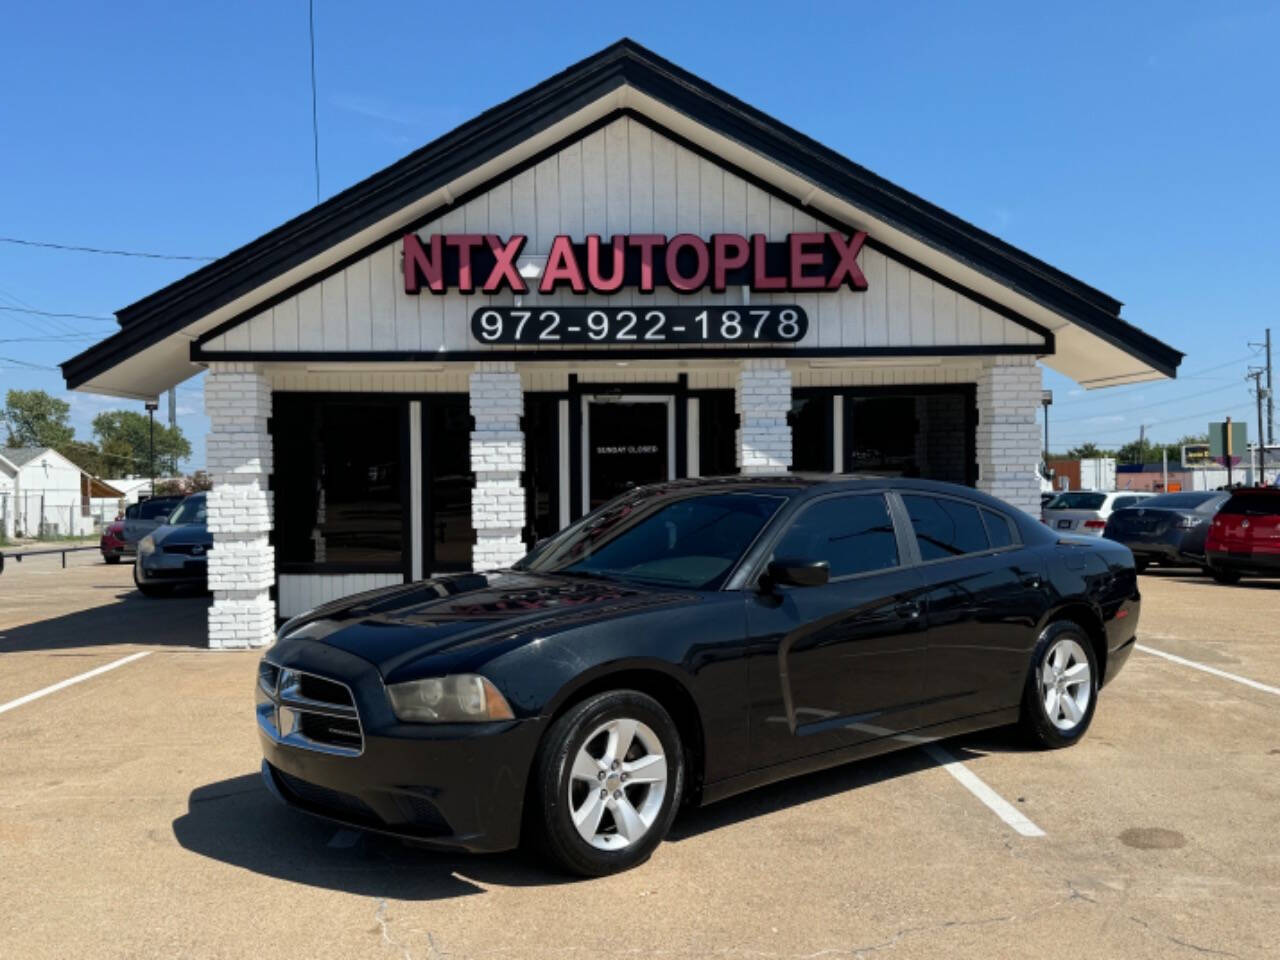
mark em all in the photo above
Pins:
pixel 686 263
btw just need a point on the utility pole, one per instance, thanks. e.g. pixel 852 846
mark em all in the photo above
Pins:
pixel 173 407
pixel 1271 404
pixel 152 406
pixel 1046 399
pixel 1256 373
pixel 1226 446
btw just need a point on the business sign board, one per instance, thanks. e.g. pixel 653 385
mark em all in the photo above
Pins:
pixel 1228 445
pixel 1196 455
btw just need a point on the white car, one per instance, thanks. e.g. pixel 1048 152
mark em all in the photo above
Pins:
pixel 1086 511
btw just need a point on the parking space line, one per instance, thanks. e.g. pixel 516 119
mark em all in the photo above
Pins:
pixel 1208 669
pixel 998 805
pixel 63 684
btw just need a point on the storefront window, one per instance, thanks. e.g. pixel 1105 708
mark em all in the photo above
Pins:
pixel 447 449
pixel 717 434
pixel 340 481
pixel 811 437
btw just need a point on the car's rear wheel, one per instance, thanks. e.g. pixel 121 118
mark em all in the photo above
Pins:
pixel 608 780
pixel 1141 564
pixel 111 558
pixel 1224 576
pixel 1062 687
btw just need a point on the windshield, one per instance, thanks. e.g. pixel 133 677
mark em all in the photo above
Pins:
pixel 1077 501
pixel 692 542
pixel 190 510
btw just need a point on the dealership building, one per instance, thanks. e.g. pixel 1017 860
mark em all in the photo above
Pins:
pixel 623 275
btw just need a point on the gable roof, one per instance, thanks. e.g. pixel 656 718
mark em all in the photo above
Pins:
pixel 501 128
pixel 21 456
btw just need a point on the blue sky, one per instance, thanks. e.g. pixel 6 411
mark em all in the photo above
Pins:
pixel 1132 145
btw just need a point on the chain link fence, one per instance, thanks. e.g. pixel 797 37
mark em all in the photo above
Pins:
pixel 52 515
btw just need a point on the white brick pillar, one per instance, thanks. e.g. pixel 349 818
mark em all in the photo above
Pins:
pixel 497 458
pixel 763 399
pixel 1008 440
pixel 237 399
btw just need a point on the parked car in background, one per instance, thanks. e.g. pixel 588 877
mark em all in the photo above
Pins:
pixel 1244 537
pixel 681 643
pixel 1086 511
pixel 144 516
pixel 1168 529
pixel 112 542
pixel 177 552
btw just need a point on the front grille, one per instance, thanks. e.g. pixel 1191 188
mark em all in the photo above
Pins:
pixel 190 549
pixel 308 711
pixel 323 800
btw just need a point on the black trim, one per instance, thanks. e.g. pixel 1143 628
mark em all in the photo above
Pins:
pixel 681 413
pixel 517 120
pixel 575 448
pixel 651 353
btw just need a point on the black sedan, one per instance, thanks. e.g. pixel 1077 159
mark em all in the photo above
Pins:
pixel 683 643
pixel 1169 529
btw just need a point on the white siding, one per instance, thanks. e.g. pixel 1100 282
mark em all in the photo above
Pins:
pixel 297 593
pixel 624 178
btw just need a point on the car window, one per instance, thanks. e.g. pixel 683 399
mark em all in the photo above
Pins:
pixel 1253 503
pixel 999 529
pixel 190 510
pixel 945 528
pixel 131 512
pixel 1077 500
pixel 690 541
pixel 158 509
pixel 853 534
pixel 1122 502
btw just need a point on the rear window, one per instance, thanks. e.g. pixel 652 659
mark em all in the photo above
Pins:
pixel 1122 502
pixel 1252 503
pixel 946 528
pixel 1077 501
pixel 999 529
pixel 1183 501
pixel 158 509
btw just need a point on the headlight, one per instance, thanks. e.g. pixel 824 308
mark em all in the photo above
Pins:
pixel 146 546
pixel 462 698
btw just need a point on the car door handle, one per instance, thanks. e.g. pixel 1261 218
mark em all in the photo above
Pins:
pixel 907 611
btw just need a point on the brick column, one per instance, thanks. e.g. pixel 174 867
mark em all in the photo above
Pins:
pixel 497 458
pixel 763 399
pixel 1008 440
pixel 237 399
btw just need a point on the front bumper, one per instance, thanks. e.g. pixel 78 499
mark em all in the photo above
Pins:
pixel 160 567
pixel 454 786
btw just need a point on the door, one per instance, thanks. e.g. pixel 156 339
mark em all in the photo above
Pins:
pixel 627 441
pixel 839 664
pixel 985 596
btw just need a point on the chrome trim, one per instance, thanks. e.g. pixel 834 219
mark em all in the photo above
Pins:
pixel 280 709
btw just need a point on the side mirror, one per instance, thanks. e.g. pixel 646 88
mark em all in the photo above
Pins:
pixel 798 573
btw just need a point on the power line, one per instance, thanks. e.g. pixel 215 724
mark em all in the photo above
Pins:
pixel 1111 394
pixel 75 248
pixel 51 313
pixel 1157 423
pixel 1158 403
pixel 315 125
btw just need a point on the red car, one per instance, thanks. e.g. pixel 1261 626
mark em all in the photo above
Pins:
pixel 112 543
pixel 1245 536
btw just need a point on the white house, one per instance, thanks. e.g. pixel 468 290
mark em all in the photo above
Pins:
pixel 623 275
pixel 44 493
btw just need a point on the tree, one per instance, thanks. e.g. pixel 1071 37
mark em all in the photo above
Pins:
pixel 124 444
pixel 36 419
pixel 1088 451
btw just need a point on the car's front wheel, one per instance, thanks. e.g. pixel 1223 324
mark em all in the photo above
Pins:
pixel 111 558
pixel 1062 687
pixel 1224 576
pixel 608 781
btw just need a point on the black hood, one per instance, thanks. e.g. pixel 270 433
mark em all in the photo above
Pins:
pixel 183 533
pixel 460 614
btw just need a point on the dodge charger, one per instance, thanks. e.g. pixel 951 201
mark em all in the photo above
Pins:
pixel 682 643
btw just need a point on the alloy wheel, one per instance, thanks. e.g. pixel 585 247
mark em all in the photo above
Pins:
pixel 1065 683
pixel 617 784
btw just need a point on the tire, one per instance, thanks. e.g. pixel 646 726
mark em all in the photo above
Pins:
pixel 1063 645
pixel 1224 576
pixel 1141 565
pixel 111 558
pixel 577 751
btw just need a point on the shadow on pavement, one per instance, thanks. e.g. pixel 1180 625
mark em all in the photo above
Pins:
pixel 239 823
pixel 179 620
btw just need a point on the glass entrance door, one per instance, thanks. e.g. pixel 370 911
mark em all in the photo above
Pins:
pixel 627 441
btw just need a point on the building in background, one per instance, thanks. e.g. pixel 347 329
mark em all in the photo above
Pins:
pixel 623 275
pixel 43 494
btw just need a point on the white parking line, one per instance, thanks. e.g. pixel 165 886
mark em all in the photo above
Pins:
pixel 62 685
pixel 1207 669
pixel 998 805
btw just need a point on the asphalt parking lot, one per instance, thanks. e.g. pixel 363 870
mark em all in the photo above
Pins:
pixel 133 824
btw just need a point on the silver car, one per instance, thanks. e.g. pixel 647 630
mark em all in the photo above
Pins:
pixel 176 553
pixel 1086 511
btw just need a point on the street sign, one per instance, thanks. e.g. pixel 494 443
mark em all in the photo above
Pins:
pixel 1196 455
pixel 1224 447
